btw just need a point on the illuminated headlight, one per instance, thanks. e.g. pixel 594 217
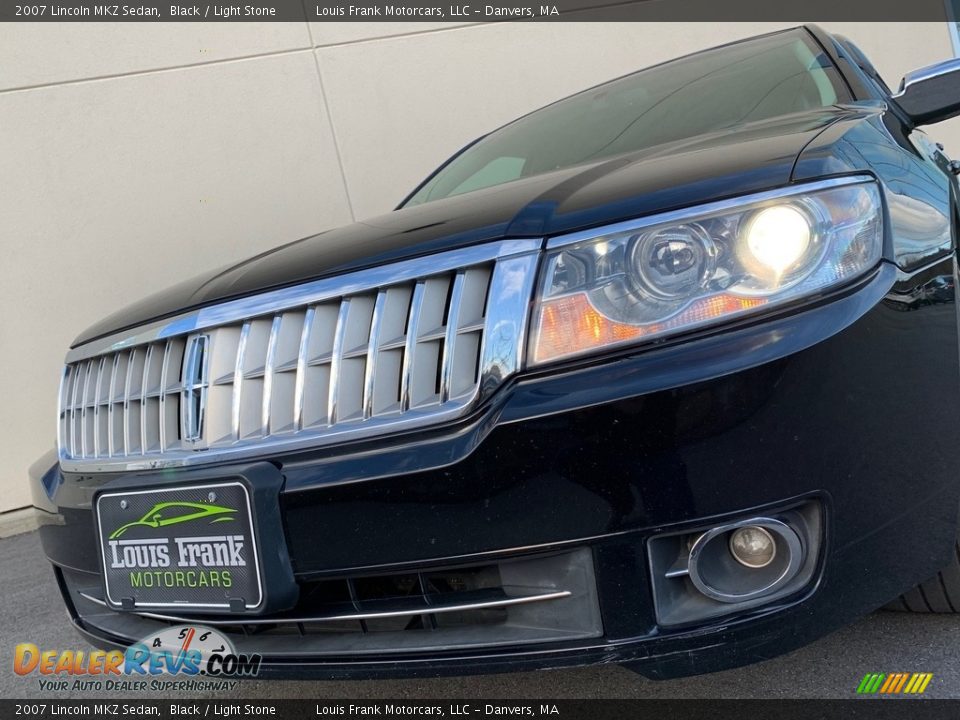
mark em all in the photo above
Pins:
pixel 777 237
pixel 666 275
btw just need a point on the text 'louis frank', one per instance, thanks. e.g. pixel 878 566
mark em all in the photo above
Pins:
pixel 214 551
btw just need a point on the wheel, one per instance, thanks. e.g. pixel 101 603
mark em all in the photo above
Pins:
pixel 939 594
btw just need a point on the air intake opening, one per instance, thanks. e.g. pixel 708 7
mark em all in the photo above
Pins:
pixel 536 599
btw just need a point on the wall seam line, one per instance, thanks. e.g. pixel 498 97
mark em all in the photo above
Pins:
pixel 412 33
pixel 156 71
pixel 333 127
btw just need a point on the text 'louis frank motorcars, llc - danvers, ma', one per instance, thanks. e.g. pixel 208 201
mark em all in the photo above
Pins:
pixel 665 373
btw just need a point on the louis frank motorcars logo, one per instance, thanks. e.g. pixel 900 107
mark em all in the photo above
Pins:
pixel 178 562
pixel 174 513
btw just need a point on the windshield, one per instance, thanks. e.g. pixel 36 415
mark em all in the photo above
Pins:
pixel 716 89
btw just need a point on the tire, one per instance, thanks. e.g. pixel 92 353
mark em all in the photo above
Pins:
pixel 939 594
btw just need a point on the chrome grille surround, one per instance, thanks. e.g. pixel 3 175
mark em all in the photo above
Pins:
pixel 412 344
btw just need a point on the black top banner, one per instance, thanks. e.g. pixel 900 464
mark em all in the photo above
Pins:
pixel 488 11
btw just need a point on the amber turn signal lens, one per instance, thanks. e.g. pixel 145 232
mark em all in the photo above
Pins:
pixel 571 325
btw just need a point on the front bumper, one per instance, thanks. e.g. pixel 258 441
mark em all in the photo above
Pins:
pixel 851 405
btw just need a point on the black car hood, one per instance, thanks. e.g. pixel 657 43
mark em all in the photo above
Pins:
pixel 739 160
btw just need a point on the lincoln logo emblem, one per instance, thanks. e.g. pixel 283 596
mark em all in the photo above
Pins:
pixel 194 388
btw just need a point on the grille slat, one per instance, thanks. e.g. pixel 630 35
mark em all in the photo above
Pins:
pixel 413 321
pixel 370 370
pixel 336 361
pixel 134 408
pixel 85 432
pixel 401 353
pixel 144 411
pixel 125 406
pixel 162 410
pixel 237 398
pixel 111 406
pixel 254 378
pixel 302 369
pixel 78 407
pixel 425 380
pixel 450 338
pixel 62 406
pixel 281 410
pixel 268 375
pixel 171 392
pixel 73 407
pixel 96 408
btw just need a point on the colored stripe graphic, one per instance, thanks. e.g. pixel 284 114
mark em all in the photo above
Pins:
pixel 903 680
pixel 891 681
pixel 918 683
pixel 870 683
pixel 894 683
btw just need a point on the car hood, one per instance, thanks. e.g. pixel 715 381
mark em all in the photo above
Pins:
pixel 742 159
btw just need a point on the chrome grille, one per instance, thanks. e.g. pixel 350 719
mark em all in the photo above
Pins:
pixel 319 363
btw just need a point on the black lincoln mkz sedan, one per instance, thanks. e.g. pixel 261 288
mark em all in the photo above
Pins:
pixel 652 375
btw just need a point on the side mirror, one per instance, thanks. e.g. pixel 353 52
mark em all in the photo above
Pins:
pixel 931 94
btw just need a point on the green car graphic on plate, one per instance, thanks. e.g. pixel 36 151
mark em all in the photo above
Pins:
pixel 174 513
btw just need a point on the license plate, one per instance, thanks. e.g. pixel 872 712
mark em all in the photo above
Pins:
pixel 191 547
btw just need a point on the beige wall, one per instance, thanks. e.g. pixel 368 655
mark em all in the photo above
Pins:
pixel 132 155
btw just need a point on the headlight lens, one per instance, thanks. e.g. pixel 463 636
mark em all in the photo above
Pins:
pixel 655 278
pixel 777 238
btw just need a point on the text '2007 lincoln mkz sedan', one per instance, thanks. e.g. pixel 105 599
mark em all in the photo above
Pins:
pixel 665 373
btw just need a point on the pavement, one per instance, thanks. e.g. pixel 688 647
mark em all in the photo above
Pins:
pixel 31 611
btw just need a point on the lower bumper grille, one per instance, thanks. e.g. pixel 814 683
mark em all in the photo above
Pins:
pixel 521 601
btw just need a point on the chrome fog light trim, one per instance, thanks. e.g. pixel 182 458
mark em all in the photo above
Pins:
pixel 718 581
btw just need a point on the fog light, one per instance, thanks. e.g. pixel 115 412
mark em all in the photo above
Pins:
pixel 753 546
pixel 745 560
pixel 701 573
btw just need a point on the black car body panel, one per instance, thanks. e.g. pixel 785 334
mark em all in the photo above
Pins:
pixel 674 176
pixel 846 403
